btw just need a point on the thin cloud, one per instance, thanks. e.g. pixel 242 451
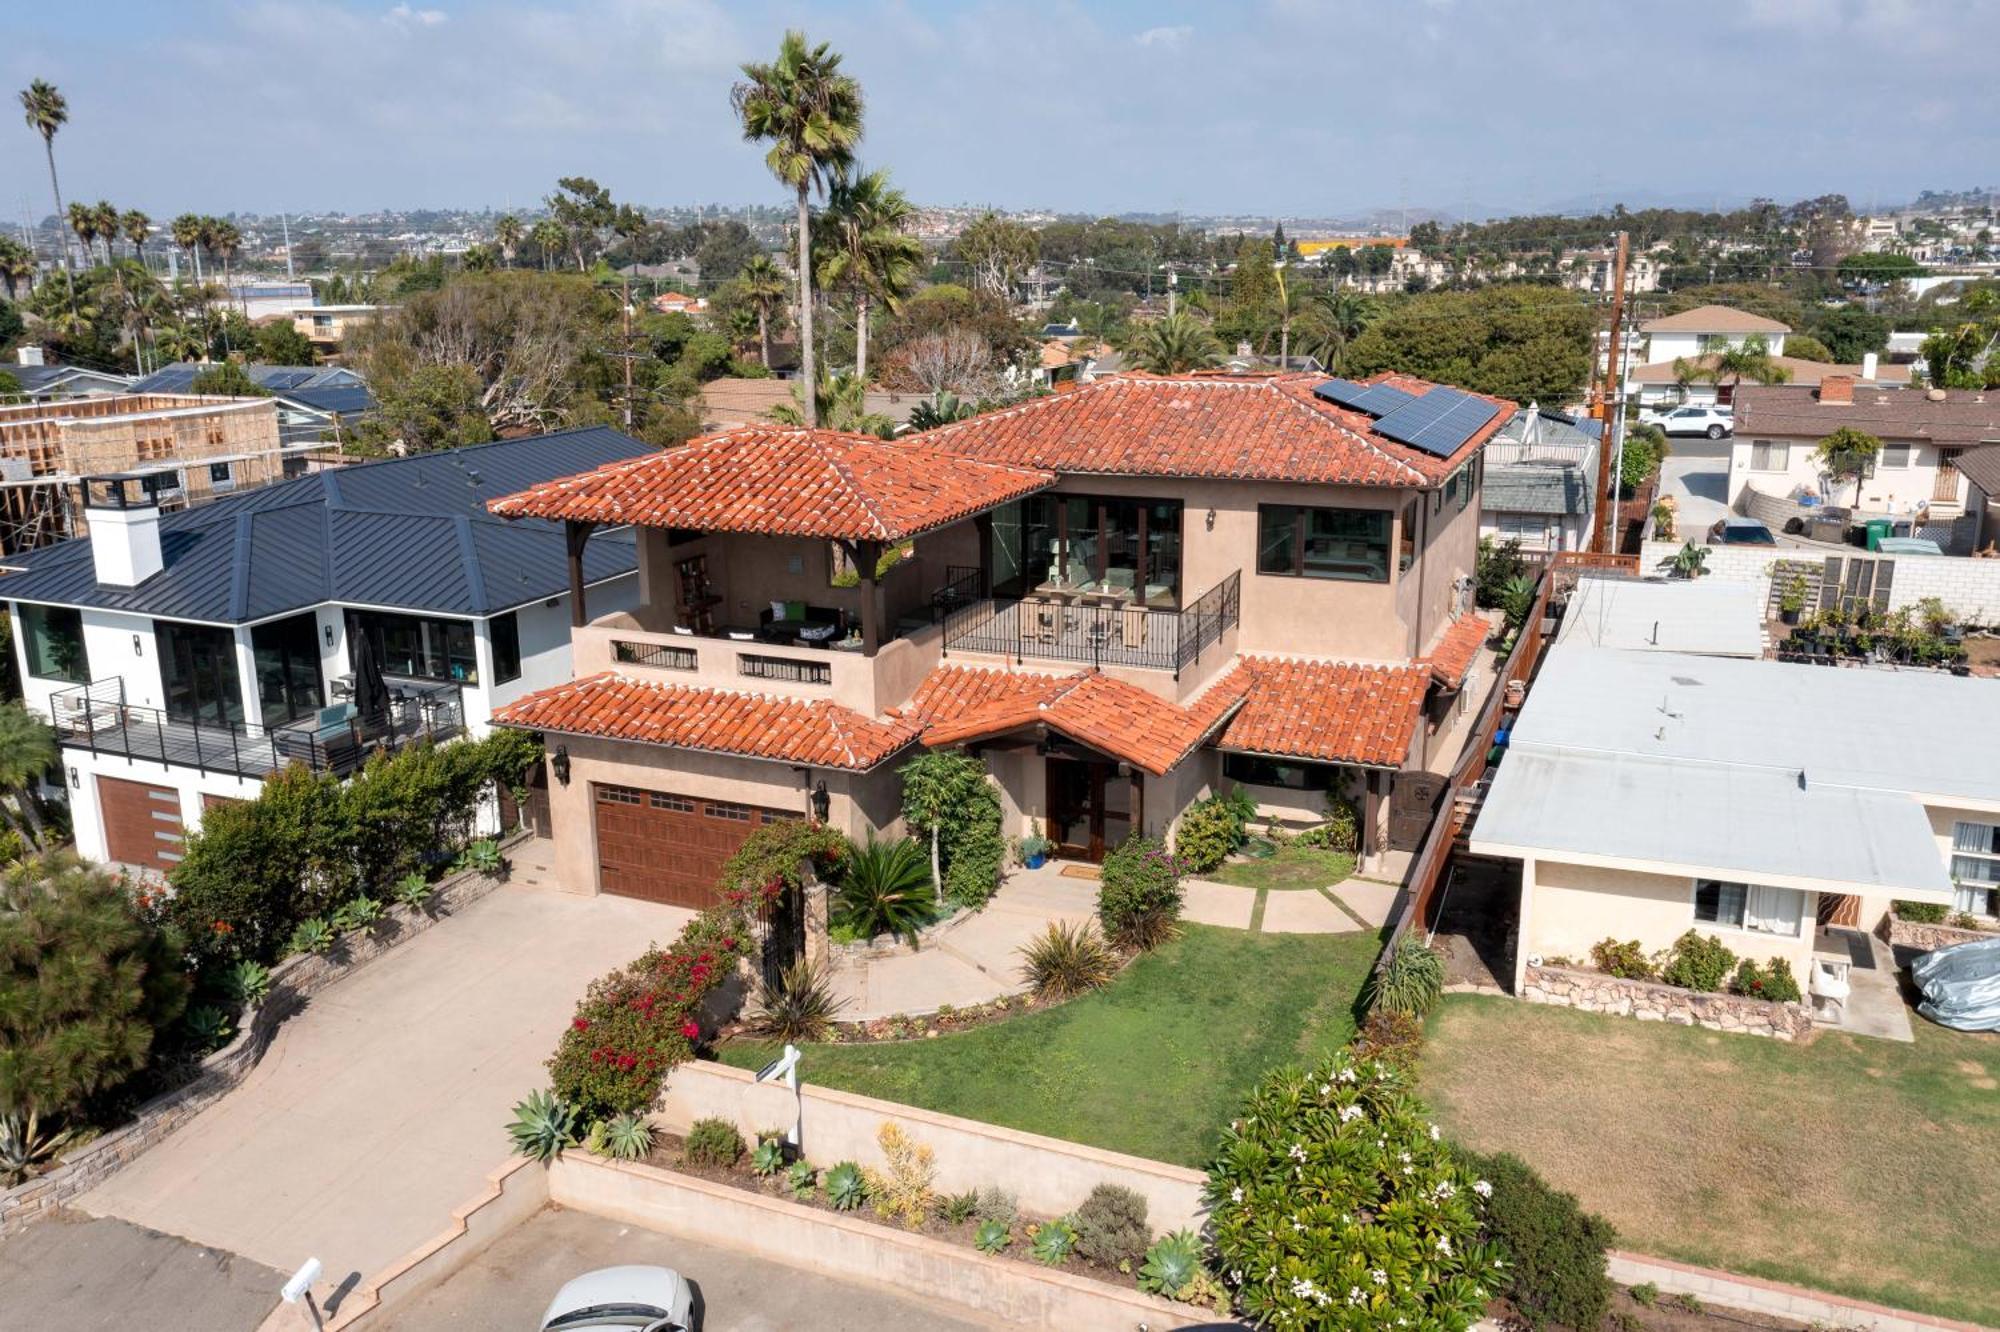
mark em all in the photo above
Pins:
pixel 402 16
pixel 1166 39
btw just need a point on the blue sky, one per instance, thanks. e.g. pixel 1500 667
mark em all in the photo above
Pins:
pixel 1298 107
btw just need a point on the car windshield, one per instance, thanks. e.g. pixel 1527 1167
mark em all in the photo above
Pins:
pixel 608 1315
pixel 1755 536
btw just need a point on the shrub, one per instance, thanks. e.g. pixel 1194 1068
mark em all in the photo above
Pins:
pixel 1645 1294
pixel 1625 960
pixel 1111 1226
pixel 1394 1038
pixel 1410 981
pixel 767 1158
pixel 312 936
pixel 1555 1248
pixel 1922 913
pixel 1208 832
pixel 886 890
pixel 543 1125
pixel 1139 893
pixel 1344 1151
pixel 975 849
pixel 959 1208
pixel 800 1006
pixel 996 1204
pixel 770 857
pixel 902 1189
pixel 846 1186
pixel 1067 959
pixel 1054 1242
pixel 801 1179
pixel 1171 1265
pixel 1495 565
pixel 1698 963
pixel 945 793
pixel 992 1236
pixel 712 1142
pixel 1342 829
pixel 1773 981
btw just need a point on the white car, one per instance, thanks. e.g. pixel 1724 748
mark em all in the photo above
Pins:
pixel 649 1299
pixel 1715 422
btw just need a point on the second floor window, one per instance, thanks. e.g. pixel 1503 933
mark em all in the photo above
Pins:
pixel 54 639
pixel 506 633
pixel 418 646
pixel 1350 544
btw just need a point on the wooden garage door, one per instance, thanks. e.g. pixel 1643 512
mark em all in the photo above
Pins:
pixel 669 848
pixel 142 824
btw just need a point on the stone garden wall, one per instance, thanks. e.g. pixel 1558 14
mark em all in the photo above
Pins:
pixel 1595 992
pixel 1929 938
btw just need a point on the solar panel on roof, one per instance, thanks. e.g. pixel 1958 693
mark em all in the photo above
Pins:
pixel 1439 422
pixel 1374 399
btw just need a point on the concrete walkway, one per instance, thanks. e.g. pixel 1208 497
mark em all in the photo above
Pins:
pixel 1339 908
pixel 383 1105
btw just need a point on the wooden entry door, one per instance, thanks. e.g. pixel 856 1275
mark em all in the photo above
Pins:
pixel 1087 812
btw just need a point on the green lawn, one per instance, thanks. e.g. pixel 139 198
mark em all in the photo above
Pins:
pixel 1292 867
pixel 1857 1166
pixel 1153 1064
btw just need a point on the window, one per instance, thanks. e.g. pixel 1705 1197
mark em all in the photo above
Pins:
pixel 1768 457
pixel 1975 866
pixel 672 803
pixel 416 646
pixel 1749 906
pixel 506 634
pixel 1350 544
pixel 1094 544
pixel 285 654
pixel 1895 457
pixel 1254 771
pixel 618 795
pixel 220 477
pixel 734 813
pixel 198 673
pixel 55 643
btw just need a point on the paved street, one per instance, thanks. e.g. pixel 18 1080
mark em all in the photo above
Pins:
pixel 101 1275
pixel 382 1106
pixel 510 1284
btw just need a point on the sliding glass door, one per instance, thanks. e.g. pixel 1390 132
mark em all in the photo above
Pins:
pixel 198 673
pixel 286 653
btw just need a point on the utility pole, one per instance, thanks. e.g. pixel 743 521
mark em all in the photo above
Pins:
pixel 286 222
pixel 1603 406
pixel 626 307
pixel 1173 281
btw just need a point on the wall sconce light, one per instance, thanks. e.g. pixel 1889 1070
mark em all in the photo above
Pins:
pixel 560 762
pixel 822 803
pixel 328 630
pixel 138 646
pixel 75 781
pixel 1211 520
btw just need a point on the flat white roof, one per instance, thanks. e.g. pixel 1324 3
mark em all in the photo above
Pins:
pixel 1705 616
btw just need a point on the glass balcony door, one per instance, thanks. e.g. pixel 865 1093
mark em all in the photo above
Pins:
pixel 198 673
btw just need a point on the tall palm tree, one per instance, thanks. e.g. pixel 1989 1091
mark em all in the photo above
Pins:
pixel 186 231
pixel 136 226
pixel 866 246
pixel 765 285
pixel 549 238
pixel 810 113
pixel 1749 359
pixel 223 241
pixel 1173 345
pixel 840 404
pixel 83 221
pixel 508 231
pixel 108 224
pixel 1334 317
pixel 47 113
pixel 137 299
pixel 17 265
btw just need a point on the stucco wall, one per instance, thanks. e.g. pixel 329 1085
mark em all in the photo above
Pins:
pixel 1892 489
pixel 1575 906
pixel 1970 589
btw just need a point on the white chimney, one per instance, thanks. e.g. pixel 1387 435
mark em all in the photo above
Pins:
pixel 124 518
pixel 1868 365
pixel 28 354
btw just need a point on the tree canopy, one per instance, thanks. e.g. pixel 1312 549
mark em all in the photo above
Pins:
pixel 1530 344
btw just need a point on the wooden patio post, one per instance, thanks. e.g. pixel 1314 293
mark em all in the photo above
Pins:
pixel 575 535
pixel 868 554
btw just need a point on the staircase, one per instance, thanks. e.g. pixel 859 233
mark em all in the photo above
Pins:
pixel 1466 802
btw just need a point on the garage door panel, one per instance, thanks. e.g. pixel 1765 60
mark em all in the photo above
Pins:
pixel 142 823
pixel 667 847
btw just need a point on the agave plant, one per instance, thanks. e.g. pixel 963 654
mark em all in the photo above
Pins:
pixel 1172 1264
pixel 768 1157
pixel 801 1179
pixel 312 935
pixel 992 1236
pixel 209 1026
pixel 846 1187
pixel 357 913
pixel 483 857
pixel 1055 1242
pixel 246 983
pixel 25 1144
pixel 413 891
pixel 628 1137
pixel 542 1126
pixel 800 1006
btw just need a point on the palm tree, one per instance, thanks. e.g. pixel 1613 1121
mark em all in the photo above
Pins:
pixel 549 237
pixel 1170 346
pixel 478 259
pixel 867 247
pixel 1332 319
pixel 83 221
pixel 47 113
pixel 764 285
pixel 1749 359
pixel 17 265
pixel 136 226
pixel 136 297
pixel 108 221
pixel 811 114
pixel 27 749
pixel 508 232
pixel 223 241
pixel 186 231
pixel 840 404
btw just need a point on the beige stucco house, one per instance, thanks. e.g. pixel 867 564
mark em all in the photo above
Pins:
pixel 1121 597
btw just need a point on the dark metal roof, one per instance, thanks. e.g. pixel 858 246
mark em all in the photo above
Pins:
pixel 348 400
pixel 177 378
pixel 36 378
pixel 411 533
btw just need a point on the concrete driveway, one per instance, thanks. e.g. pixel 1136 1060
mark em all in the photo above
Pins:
pixel 95 1274
pixel 382 1106
pixel 1698 479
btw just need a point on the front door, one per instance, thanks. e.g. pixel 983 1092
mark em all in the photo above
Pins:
pixel 1089 806
pixel 1945 489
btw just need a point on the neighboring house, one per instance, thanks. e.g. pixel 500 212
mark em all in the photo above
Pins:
pixel 1646 794
pixel 1541 477
pixel 677 302
pixel 733 402
pixel 321 414
pixel 183 657
pixel 1662 383
pixel 263 298
pixel 41 382
pixel 1709 328
pixel 179 377
pixel 1708 617
pixel 327 326
pixel 1778 430
pixel 1981 469
pixel 1121 597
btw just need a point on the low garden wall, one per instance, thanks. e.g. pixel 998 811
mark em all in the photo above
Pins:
pixel 1595 992
pixel 850 1248
pixel 1928 938
pixel 293 981
pixel 1046 1175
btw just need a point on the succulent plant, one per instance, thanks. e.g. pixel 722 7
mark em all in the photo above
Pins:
pixel 628 1137
pixel 542 1126
pixel 1172 1264
pixel 247 982
pixel 210 1026
pixel 482 856
pixel 1054 1242
pixel 312 935
pixel 357 913
pixel 992 1236
pixel 768 1157
pixel 802 1179
pixel 846 1187
pixel 413 890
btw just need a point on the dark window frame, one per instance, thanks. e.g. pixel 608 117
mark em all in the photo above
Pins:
pixel 1259 770
pixel 512 633
pixel 36 638
pixel 1269 521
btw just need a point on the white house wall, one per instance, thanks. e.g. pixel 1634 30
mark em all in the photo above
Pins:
pixel 1896 490
pixel 1969 589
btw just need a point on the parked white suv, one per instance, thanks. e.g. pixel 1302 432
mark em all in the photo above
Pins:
pixel 1715 422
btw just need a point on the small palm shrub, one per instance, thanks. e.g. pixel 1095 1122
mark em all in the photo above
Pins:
pixel 542 1127
pixel 902 1190
pixel 958 1208
pixel 1067 959
pixel 846 1187
pixel 1410 981
pixel 767 1158
pixel 1625 960
pixel 246 983
pixel 413 891
pixel 1055 1242
pixel 1139 894
pixel 1111 1226
pixel 1556 1249
pixel 1698 962
pixel 712 1142
pixel 1171 1265
pixel 311 935
pixel 996 1204
pixel 628 1137
pixel 992 1236
pixel 801 1179
pixel 356 913
pixel 886 890
pixel 799 1006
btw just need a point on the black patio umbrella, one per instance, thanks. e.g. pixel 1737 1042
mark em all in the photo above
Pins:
pixel 371 691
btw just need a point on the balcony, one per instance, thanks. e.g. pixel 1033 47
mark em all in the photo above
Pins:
pixel 1095 632
pixel 96 717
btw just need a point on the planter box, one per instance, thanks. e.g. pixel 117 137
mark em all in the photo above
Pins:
pixel 1595 992
pixel 847 1247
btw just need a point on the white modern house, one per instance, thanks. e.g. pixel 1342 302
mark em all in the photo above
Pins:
pixel 185 657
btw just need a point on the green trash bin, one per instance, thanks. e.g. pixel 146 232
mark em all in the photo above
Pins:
pixel 1877 529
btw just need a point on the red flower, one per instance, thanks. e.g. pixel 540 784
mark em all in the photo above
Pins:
pixel 691 1029
pixel 224 927
pixel 580 1024
pixel 729 941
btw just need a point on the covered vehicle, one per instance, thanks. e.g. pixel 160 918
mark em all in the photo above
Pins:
pixel 650 1299
pixel 1961 985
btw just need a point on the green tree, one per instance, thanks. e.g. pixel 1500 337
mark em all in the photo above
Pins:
pixel 1806 347
pixel 27 750
pixel 82 220
pixel 940 791
pixel 226 379
pixel 548 236
pixel 1849 455
pixel 810 113
pixel 1849 333
pixel 1254 309
pixel 137 227
pixel 1645 447
pixel 1333 318
pixel 583 209
pixel 48 112
pixel 17 266
pixel 1749 359
pixel 85 983
pixel 997 250
pixel 186 231
pixel 1527 343
pixel 726 247
pixel 840 404
pixel 429 407
pixel 867 250
pixel 1172 345
pixel 281 343
pixel 508 234
pixel 109 223
pixel 764 287
pixel 1874 266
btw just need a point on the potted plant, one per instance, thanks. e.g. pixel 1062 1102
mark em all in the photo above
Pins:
pixel 1793 602
pixel 1034 850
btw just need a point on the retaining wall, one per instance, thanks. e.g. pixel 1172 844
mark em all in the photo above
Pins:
pixel 1928 938
pixel 293 981
pixel 1595 992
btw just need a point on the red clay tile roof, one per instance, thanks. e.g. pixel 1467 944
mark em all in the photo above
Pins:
pixel 1457 647
pixel 961 703
pixel 784 481
pixel 813 732
pixel 1218 427
pixel 1325 711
